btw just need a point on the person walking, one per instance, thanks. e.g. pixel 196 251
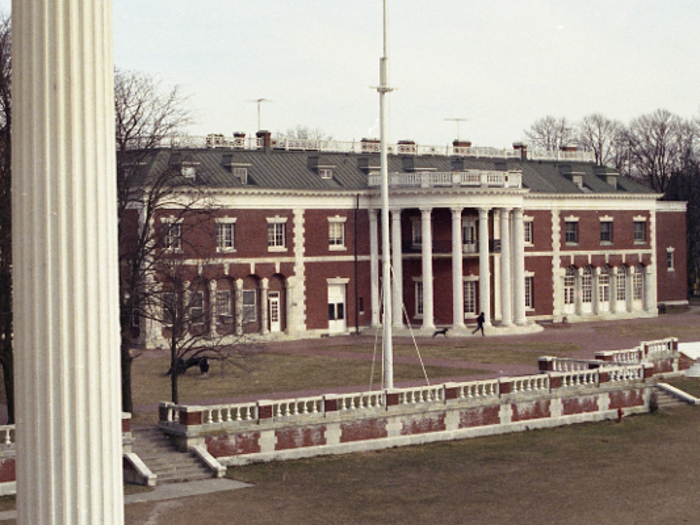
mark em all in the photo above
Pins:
pixel 480 324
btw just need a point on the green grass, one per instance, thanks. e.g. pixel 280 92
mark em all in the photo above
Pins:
pixel 690 385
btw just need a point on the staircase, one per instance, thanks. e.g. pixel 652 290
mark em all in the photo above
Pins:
pixel 666 400
pixel 160 455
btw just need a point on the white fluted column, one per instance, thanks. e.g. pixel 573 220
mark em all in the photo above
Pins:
pixel 650 290
pixel 238 306
pixel 213 307
pixel 264 306
pixel 506 277
pixel 397 266
pixel 613 290
pixel 457 271
pixel 427 267
pixel 66 306
pixel 374 266
pixel 519 266
pixel 484 266
pixel 578 294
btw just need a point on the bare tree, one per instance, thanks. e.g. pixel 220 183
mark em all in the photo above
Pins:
pixel 657 143
pixel 180 301
pixel 550 133
pixel 145 114
pixel 601 136
pixel 304 133
pixel 6 330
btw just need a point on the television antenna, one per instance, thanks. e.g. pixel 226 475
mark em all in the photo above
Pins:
pixel 457 121
pixel 259 101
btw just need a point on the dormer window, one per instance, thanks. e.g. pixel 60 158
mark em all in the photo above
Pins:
pixel 578 180
pixel 325 173
pixel 241 174
pixel 188 171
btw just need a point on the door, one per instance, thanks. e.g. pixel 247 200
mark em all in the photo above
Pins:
pixel 336 308
pixel 273 299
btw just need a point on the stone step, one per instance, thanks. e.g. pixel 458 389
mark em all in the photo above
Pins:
pixel 665 399
pixel 160 455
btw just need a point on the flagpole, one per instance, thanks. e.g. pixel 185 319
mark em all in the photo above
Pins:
pixel 383 89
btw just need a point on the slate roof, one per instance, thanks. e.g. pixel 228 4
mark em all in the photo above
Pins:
pixel 298 170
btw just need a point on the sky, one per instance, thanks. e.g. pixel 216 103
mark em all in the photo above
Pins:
pixel 498 64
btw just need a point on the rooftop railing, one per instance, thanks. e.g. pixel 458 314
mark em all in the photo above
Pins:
pixel 367 146
pixel 447 179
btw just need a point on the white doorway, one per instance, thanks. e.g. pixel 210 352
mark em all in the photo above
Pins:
pixel 336 308
pixel 273 299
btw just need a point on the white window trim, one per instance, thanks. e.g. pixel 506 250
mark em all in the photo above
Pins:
pixel 169 221
pixel 531 221
pixel 226 249
pixel 337 220
pixel 416 281
pixel 416 222
pixel 672 251
pixel 277 220
pixel 532 292
pixel 605 218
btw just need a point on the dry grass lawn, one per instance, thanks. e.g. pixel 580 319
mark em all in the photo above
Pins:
pixel 640 471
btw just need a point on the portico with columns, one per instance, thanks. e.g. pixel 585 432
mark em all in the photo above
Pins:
pixel 434 256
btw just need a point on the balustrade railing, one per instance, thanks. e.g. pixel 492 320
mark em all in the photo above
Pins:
pixel 363 146
pixel 7 435
pixel 288 409
pixel 469 178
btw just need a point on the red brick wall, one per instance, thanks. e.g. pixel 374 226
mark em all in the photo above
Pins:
pixel 626 399
pixel 7 470
pixel 289 438
pixel 424 425
pixel 477 417
pixel 589 230
pixel 579 405
pixel 233 445
pixel 362 430
pixel 543 287
pixel 541 230
pixel 532 410
pixel 671 232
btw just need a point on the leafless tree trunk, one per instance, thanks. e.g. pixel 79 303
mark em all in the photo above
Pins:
pixel 145 114
pixel 6 326
pixel 600 135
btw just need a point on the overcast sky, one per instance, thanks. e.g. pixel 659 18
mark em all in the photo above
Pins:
pixel 500 64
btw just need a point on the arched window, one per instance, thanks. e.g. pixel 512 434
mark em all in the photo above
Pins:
pixel 570 285
pixel 604 284
pixel 587 285
pixel 638 283
pixel 621 285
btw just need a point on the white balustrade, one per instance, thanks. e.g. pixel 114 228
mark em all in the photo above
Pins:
pixel 626 373
pixel 421 395
pixel 8 434
pixel 297 407
pixel 479 389
pixel 659 347
pixel 580 378
pixel 537 383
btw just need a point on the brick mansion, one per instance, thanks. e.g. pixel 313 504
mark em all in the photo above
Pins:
pixel 290 246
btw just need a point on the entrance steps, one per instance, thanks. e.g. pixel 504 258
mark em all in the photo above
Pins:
pixel 668 397
pixel 160 455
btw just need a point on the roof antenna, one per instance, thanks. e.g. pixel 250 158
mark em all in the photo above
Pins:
pixel 259 101
pixel 457 120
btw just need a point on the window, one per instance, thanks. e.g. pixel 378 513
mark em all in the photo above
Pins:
pixel 571 232
pixel 336 311
pixel 529 292
pixel 606 232
pixel 225 235
pixel 197 308
pixel 241 174
pixel 419 299
pixel 640 232
pixel 621 285
pixel 638 283
pixel 570 285
pixel 277 235
pixel 188 171
pixel 670 260
pixel 416 234
pixel 469 236
pixel 527 234
pixel 223 306
pixel 469 298
pixel 325 173
pixel 249 306
pixel 587 285
pixel 604 285
pixel 172 235
pixel 336 234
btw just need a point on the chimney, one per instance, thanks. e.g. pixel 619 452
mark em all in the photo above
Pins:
pixel 522 148
pixel 265 138
pixel 239 139
pixel 461 144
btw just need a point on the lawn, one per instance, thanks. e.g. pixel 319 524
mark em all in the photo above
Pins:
pixel 639 471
